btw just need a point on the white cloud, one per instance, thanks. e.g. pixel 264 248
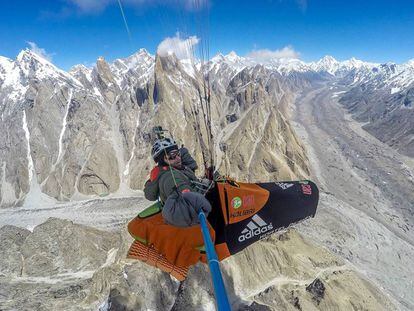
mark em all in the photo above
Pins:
pixel 39 51
pixel 190 5
pixel 97 6
pixel 91 6
pixel 182 48
pixel 266 54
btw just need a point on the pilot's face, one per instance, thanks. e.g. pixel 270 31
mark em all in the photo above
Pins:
pixel 173 158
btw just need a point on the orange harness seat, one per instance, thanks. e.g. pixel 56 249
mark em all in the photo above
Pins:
pixel 181 247
pixel 151 257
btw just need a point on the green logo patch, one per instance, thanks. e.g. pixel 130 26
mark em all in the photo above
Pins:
pixel 236 202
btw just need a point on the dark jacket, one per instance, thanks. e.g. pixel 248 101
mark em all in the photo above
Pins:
pixel 187 159
pixel 165 180
pixel 177 188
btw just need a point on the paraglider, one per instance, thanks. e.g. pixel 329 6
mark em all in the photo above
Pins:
pixel 242 214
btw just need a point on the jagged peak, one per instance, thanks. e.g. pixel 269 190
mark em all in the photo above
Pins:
pixel 80 68
pixel 31 64
pixel 28 55
pixel 357 63
pixel 410 63
pixel 101 64
pixel 142 55
pixel 5 60
pixel 6 64
pixel 354 60
pixel 232 56
pixel 328 59
pixel 24 53
pixel 142 51
pixel 218 58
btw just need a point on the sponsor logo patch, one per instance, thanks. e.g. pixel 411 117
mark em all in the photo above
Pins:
pixel 283 185
pixel 242 213
pixel 236 202
pixel 256 227
pixel 306 189
pixel 248 200
pixel 245 201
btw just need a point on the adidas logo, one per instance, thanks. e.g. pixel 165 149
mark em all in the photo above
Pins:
pixel 256 226
pixel 283 185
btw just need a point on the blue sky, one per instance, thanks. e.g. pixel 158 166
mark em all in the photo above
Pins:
pixel 79 31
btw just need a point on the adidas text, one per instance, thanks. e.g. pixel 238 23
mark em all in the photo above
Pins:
pixel 255 232
pixel 257 226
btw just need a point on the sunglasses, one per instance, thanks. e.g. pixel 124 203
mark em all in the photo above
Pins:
pixel 173 154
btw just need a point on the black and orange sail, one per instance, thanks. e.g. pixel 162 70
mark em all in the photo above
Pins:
pixel 242 214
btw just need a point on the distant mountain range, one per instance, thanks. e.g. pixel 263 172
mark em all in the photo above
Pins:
pixel 73 134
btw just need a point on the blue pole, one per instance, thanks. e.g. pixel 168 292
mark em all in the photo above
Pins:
pixel 219 288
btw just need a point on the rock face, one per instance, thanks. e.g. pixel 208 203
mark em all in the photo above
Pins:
pixel 259 142
pixel 74 267
pixel 11 242
pixel 54 248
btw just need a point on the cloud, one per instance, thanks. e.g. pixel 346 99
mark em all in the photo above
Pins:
pixel 266 54
pixel 189 5
pixel 90 6
pixel 39 51
pixel 182 48
pixel 97 6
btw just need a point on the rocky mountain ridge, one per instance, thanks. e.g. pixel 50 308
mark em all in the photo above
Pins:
pixel 86 132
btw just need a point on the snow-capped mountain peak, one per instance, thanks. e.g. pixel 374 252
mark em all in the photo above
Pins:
pixel 235 60
pixel 354 63
pixel 81 72
pixel 232 56
pixel 326 64
pixel 219 57
pixel 328 59
pixel 5 62
pixel 6 65
pixel 135 59
pixel 410 63
pixel 28 55
pixel 30 64
pixel 80 67
pixel 138 61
